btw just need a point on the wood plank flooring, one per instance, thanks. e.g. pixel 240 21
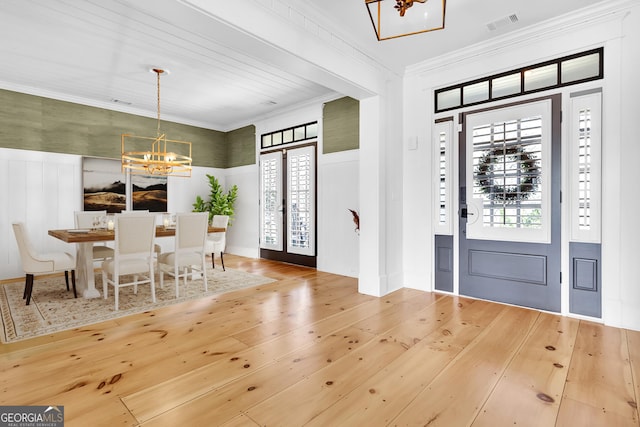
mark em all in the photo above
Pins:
pixel 309 350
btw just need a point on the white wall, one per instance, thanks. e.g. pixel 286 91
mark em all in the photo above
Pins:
pixel 41 190
pixel 622 302
pixel 618 31
pixel 337 190
pixel 242 235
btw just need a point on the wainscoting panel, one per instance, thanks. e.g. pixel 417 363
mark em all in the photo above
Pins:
pixel 42 190
pixel 585 278
pixel 500 265
pixel 444 263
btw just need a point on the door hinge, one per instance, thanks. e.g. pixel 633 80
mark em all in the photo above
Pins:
pixel 561 197
pixel 561 277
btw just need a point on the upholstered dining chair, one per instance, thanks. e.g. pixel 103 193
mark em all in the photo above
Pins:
pixel 133 255
pixel 217 242
pixel 157 249
pixel 191 233
pixel 42 263
pixel 84 219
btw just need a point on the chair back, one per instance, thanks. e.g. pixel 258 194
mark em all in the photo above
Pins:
pixel 217 241
pixel 220 221
pixel 28 256
pixel 191 231
pixel 84 219
pixel 134 235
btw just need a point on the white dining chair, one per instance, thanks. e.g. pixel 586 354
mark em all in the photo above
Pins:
pixel 157 249
pixel 191 232
pixel 42 263
pixel 85 219
pixel 133 255
pixel 217 242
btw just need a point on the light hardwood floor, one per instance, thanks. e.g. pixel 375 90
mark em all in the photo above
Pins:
pixel 309 350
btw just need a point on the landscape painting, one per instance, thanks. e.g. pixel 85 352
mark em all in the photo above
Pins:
pixel 149 193
pixel 104 185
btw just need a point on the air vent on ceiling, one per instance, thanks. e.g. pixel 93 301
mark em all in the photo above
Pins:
pixel 511 19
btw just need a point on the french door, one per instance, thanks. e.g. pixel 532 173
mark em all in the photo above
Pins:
pixel 288 205
pixel 510 204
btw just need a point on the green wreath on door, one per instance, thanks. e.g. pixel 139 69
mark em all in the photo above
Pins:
pixel 529 180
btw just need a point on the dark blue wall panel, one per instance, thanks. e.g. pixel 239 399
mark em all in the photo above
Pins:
pixel 585 277
pixel 444 263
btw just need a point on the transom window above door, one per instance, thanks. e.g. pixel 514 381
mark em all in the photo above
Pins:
pixel 289 136
pixel 568 70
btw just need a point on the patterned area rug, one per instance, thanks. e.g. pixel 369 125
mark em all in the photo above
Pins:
pixel 53 308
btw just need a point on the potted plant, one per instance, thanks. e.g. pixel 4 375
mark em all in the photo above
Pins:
pixel 219 203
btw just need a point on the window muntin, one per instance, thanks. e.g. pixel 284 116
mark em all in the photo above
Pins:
pixel 568 70
pixel 506 160
pixel 540 77
pixel 584 168
pixel 581 68
pixel 271 200
pixel 508 173
pixel 289 135
pixel 301 200
pixel 442 169
pixel 505 85
pixel 449 99
pixel 443 151
pixel 476 92
pixel 585 151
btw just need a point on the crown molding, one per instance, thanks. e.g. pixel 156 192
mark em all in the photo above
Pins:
pixel 602 12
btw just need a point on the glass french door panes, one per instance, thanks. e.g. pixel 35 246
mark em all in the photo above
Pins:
pixel 271 212
pixel 301 200
pixel 288 205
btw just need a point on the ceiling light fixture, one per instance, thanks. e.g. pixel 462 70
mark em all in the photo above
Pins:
pixel 166 156
pixel 390 19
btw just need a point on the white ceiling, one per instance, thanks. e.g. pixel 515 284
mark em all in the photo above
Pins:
pixel 98 52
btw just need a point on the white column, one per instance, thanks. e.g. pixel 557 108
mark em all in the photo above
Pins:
pixel 372 274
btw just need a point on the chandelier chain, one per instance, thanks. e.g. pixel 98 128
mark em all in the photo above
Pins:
pixel 158 72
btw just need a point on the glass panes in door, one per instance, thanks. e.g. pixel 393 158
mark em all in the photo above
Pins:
pixel 271 209
pixel 508 176
pixel 507 172
pixel 288 205
pixel 301 200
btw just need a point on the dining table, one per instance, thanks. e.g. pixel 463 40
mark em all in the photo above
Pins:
pixel 85 238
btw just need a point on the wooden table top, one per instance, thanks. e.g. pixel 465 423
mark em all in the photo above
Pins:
pixel 85 236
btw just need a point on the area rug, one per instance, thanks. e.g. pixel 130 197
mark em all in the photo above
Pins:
pixel 53 308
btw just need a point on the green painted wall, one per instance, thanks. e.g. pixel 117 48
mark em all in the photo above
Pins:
pixel 241 146
pixel 41 124
pixel 341 125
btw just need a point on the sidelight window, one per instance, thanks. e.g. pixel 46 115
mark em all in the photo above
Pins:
pixel 585 172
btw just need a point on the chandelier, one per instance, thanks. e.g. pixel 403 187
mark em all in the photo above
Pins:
pixel 142 155
pixel 392 18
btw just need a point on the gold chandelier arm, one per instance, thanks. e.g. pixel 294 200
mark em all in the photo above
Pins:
pixel 166 157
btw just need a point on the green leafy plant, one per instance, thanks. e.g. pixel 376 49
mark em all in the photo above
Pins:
pixel 219 203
